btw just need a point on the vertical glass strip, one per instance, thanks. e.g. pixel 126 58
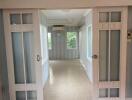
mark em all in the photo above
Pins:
pixel 114 55
pixel 29 52
pixel 17 46
pixel 103 55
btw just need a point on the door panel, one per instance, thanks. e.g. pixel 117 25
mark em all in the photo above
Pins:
pixel 109 43
pixel 22 35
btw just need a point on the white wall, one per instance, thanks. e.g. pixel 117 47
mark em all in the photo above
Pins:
pixel 50 4
pixel 83 38
pixel 44 47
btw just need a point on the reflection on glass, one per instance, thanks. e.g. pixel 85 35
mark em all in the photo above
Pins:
pixel 18 57
pixel 114 55
pixel 27 18
pixel 28 53
pixel 104 17
pixel 20 95
pixel 31 95
pixel 15 19
pixel 114 92
pixel 103 52
pixel 103 93
pixel 115 16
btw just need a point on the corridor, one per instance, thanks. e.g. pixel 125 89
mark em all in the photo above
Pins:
pixel 67 81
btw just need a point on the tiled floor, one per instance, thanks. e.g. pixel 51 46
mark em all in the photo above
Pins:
pixel 67 81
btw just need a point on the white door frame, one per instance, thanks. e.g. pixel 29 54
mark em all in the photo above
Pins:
pixel 8 28
pixel 122 26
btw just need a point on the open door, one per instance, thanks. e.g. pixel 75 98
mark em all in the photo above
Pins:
pixel 109 49
pixel 0 84
pixel 23 49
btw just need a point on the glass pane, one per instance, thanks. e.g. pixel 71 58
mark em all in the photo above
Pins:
pixel 18 57
pixel 20 95
pixel 114 55
pixel 90 41
pixel 15 19
pixel 103 55
pixel 28 52
pixel 104 17
pixel 31 95
pixel 115 16
pixel 114 92
pixel 27 18
pixel 49 41
pixel 103 93
pixel 71 40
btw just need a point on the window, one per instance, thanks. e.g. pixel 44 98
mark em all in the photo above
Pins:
pixel 89 41
pixel 49 41
pixel 71 40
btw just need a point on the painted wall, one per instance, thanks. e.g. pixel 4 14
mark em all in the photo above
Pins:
pixel 3 65
pixel 50 4
pixel 83 42
pixel 59 46
pixel 129 58
pixel 44 47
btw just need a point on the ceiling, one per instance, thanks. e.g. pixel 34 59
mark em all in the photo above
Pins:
pixel 69 17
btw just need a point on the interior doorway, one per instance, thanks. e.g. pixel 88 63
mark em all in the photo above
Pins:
pixel 67 74
pixel 94 45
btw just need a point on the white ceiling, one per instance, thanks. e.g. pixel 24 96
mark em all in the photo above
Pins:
pixel 70 17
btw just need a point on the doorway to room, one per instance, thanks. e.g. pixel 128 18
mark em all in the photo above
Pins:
pixel 100 41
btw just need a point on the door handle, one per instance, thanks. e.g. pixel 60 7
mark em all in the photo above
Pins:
pixel 95 56
pixel 38 58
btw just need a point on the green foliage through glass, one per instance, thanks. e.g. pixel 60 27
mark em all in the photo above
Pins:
pixel 71 40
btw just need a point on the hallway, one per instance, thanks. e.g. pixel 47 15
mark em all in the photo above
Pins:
pixel 67 81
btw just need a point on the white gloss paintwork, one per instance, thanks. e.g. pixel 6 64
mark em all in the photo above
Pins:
pixel 122 26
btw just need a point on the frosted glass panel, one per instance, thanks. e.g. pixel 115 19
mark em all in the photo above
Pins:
pixel 15 19
pixel 18 57
pixel 115 16
pixel 20 95
pixel 31 95
pixel 114 55
pixel 27 18
pixel 104 17
pixel 103 93
pixel 103 52
pixel 114 92
pixel 28 52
